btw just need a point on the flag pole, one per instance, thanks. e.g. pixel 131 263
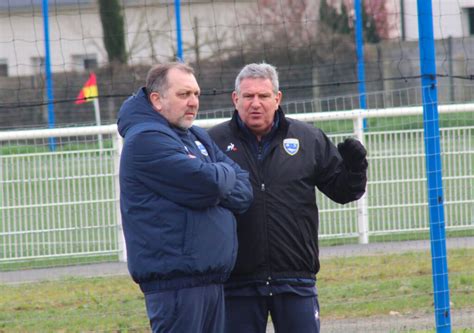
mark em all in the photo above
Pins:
pixel 90 93
pixel 97 120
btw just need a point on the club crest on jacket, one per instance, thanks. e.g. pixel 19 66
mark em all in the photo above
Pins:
pixel 201 148
pixel 291 146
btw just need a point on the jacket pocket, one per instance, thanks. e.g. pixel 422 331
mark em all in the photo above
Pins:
pixel 308 236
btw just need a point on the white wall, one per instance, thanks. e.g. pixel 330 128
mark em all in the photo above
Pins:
pixel 71 32
pixel 150 33
pixel 449 18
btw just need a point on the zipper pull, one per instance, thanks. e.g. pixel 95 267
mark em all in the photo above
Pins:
pixel 262 187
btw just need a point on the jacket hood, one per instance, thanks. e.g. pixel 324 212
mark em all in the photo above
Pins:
pixel 135 110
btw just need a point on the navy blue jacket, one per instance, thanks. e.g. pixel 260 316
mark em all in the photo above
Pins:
pixel 178 196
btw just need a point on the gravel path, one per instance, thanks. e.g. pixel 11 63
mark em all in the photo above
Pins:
pixel 107 269
pixel 460 319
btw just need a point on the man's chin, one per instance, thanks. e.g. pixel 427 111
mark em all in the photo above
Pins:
pixel 185 125
pixel 256 126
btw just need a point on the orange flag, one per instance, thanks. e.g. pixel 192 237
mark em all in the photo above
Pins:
pixel 89 92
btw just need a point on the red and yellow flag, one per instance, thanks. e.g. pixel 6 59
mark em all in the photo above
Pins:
pixel 89 92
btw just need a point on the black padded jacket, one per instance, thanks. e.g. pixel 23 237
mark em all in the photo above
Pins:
pixel 278 235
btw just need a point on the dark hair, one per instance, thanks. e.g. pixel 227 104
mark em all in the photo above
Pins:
pixel 157 77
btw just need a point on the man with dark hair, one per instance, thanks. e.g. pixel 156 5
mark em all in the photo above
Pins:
pixel 277 261
pixel 178 196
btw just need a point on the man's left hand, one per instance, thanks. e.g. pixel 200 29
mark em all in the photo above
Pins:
pixel 354 154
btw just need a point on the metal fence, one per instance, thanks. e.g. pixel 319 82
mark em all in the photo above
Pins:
pixel 63 202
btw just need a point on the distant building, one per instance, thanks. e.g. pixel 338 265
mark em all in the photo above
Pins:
pixel 75 32
pixel 209 28
pixel 450 18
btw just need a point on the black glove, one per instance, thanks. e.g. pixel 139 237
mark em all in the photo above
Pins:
pixel 354 154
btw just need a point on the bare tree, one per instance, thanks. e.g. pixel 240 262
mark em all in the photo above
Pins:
pixel 149 34
pixel 152 33
pixel 211 41
pixel 289 32
pixel 376 19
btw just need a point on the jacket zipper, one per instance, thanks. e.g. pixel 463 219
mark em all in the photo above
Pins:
pixel 263 189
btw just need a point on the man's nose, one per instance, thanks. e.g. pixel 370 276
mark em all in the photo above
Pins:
pixel 255 102
pixel 193 100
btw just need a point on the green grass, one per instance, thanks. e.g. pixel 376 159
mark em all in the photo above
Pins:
pixel 72 305
pixel 355 287
pixel 367 286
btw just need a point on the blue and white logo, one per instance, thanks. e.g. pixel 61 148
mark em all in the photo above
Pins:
pixel 201 148
pixel 291 146
pixel 231 147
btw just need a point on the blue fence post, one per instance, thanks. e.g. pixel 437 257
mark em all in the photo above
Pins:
pixel 359 38
pixel 179 42
pixel 49 81
pixel 433 166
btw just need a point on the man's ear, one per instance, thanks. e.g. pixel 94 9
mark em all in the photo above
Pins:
pixel 235 98
pixel 155 100
pixel 279 97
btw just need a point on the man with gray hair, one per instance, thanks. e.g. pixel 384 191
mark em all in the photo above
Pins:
pixel 277 260
pixel 178 196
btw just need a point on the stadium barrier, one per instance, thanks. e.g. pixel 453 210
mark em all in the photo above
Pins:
pixel 65 203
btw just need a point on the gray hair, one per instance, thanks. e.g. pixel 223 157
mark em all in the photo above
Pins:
pixel 157 77
pixel 258 71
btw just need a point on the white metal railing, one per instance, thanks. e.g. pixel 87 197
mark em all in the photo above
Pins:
pixel 65 202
